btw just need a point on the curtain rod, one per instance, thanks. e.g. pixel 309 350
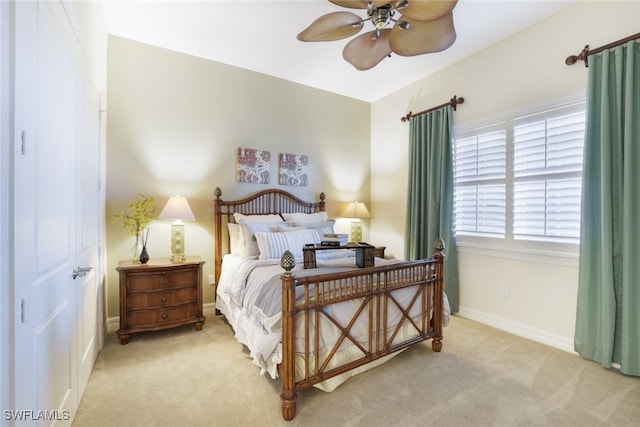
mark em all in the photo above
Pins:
pixel 582 56
pixel 453 102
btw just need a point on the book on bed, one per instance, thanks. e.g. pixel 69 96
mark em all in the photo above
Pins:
pixel 333 239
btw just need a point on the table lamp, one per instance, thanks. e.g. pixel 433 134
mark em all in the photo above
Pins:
pixel 177 209
pixel 356 210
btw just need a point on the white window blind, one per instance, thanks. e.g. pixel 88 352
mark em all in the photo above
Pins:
pixel 547 163
pixel 522 179
pixel 480 189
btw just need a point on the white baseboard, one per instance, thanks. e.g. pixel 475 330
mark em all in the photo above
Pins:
pixel 522 330
pixel 209 309
pixel 113 323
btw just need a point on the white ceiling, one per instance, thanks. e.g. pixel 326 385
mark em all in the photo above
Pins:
pixel 260 35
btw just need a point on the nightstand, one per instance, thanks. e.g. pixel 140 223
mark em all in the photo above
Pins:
pixel 159 295
pixel 379 251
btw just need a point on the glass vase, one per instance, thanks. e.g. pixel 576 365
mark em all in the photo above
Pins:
pixel 136 250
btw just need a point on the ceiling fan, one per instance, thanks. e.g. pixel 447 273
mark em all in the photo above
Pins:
pixel 424 26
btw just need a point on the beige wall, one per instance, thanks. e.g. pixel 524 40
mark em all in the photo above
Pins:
pixel 524 70
pixel 174 123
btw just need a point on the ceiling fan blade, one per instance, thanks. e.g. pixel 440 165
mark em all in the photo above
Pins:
pixel 366 51
pixel 359 4
pixel 427 10
pixel 332 26
pixel 352 4
pixel 423 37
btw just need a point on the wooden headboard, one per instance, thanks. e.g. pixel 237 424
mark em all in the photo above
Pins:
pixel 272 201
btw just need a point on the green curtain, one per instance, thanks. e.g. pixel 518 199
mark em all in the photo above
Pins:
pixel 608 310
pixel 430 199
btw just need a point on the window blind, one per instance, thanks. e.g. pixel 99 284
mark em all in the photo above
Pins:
pixel 548 175
pixel 522 179
pixel 480 189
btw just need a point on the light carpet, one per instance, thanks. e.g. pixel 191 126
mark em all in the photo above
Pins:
pixel 482 377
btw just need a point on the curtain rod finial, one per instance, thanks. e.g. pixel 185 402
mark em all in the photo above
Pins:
pixel 582 56
pixel 405 118
pixel 455 101
pixel 571 59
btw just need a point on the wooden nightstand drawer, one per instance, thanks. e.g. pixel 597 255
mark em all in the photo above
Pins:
pixel 163 298
pixel 158 316
pixel 159 295
pixel 162 280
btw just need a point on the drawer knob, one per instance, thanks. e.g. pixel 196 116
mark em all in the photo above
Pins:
pixel 163 281
pixel 164 298
pixel 164 316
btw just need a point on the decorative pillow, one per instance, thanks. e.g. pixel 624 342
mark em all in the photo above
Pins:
pixel 287 227
pixel 305 218
pixel 236 241
pixel 273 245
pixel 321 227
pixel 256 218
pixel 249 230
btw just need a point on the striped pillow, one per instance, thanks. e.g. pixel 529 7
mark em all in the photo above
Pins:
pixel 273 245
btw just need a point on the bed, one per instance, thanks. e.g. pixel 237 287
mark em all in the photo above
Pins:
pixel 316 326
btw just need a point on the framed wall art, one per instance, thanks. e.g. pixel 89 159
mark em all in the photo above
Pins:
pixel 293 169
pixel 253 166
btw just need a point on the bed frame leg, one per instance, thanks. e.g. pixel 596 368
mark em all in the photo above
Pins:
pixel 436 321
pixel 287 367
pixel 288 405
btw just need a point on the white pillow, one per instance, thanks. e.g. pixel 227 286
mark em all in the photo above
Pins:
pixel 257 218
pixel 273 245
pixel 305 218
pixel 236 241
pixel 322 227
pixel 249 230
pixel 287 227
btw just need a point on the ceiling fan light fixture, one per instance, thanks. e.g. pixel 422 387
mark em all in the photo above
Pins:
pixel 423 26
pixel 382 16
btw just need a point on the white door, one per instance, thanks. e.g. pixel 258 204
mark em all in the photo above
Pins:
pixel 88 228
pixel 45 197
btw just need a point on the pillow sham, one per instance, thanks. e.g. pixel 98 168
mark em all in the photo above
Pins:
pixel 273 245
pixel 322 227
pixel 305 218
pixel 257 218
pixel 236 241
pixel 287 227
pixel 249 230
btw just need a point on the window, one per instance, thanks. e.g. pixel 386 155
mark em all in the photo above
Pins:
pixel 522 179
pixel 480 182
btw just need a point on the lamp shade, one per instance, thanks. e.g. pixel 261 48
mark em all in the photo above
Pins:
pixel 356 210
pixel 177 208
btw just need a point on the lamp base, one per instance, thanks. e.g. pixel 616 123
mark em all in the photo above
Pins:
pixel 356 231
pixel 177 242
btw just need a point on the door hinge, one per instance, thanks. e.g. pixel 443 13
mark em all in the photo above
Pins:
pixel 23 303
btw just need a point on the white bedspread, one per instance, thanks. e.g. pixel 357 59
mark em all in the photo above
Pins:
pixel 249 294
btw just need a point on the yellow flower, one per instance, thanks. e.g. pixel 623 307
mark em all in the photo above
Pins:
pixel 142 212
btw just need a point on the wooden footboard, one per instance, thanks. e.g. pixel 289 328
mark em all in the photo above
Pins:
pixel 393 323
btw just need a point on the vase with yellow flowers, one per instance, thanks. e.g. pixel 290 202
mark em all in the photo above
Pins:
pixel 136 220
